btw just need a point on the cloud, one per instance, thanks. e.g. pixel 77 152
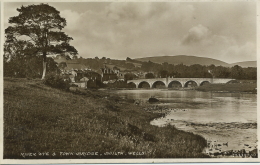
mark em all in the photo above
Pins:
pixel 127 29
pixel 239 52
pixel 196 34
pixel 72 18
pixel 201 35
pixel 221 47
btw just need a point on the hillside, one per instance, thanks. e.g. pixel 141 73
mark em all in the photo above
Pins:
pixel 245 64
pixel 190 60
pixel 39 118
pixel 184 59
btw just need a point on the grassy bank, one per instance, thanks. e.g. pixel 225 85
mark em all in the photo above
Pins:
pixel 38 118
pixel 236 87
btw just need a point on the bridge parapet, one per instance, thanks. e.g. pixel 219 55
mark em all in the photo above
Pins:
pixel 182 81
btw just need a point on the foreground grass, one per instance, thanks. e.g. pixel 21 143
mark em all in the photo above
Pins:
pixel 236 87
pixel 38 118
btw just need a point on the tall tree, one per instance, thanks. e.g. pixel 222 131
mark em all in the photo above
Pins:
pixel 42 25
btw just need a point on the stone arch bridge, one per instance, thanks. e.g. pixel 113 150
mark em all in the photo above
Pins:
pixel 180 82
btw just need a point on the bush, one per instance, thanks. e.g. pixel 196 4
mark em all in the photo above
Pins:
pixel 74 85
pixel 56 81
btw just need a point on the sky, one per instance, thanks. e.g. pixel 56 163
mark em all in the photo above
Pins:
pixel 221 30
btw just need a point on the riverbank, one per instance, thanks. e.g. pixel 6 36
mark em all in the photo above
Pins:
pixel 47 123
pixel 230 88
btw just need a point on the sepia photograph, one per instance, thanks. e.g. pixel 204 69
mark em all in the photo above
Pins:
pixel 129 82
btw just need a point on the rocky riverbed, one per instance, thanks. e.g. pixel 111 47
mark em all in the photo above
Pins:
pixel 230 139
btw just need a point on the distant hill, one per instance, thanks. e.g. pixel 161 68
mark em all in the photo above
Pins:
pixel 245 64
pixel 184 59
pixel 190 60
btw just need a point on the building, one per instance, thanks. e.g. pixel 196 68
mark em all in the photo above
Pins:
pixel 83 83
pixel 81 75
pixel 91 75
pixel 109 73
pixel 73 65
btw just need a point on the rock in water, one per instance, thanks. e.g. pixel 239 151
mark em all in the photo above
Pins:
pixel 153 100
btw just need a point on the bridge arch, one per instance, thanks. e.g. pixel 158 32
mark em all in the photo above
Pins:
pixel 131 85
pixel 158 84
pixel 204 83
pixel 190 83
pixel 144 84
pixel 175 84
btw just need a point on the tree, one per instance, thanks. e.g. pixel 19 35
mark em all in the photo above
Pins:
pixel 250 73
pixel 67 57
pixel 165 66
pixel 221 72
pixel 62 65
pixel 129 76
pixel 148 66
pixel 21 61
pixel 40 25
pixel 129 66
pixel 163 74
pixel 16 57
pixel 128 59
pixel 149 75
pixel 237 72
pixel 174 74
pixel 75 57
pixel 211 67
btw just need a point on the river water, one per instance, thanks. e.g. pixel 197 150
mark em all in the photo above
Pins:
pixel 226 120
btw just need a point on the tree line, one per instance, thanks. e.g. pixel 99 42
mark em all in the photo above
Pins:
pixel 198 71
pixel 165 69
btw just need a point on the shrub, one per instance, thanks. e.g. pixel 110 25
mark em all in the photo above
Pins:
pixel 74 85
pixel 56 81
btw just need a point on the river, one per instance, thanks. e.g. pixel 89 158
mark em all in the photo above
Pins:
pixel 226 120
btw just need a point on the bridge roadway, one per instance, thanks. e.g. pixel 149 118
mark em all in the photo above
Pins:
pixel 182 82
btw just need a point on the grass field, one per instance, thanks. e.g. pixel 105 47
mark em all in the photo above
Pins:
pixel 38 119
